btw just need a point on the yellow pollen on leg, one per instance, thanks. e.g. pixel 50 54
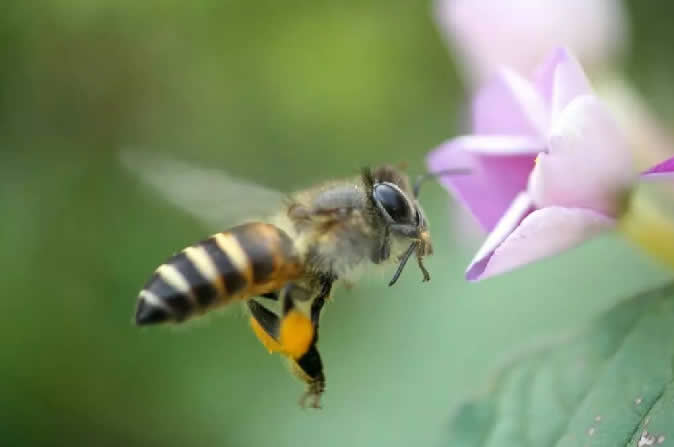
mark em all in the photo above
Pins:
pixel 266 340
pixel 297 332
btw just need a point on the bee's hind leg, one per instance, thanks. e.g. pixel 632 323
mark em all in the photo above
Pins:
pixel 274 296
pixel 309 368
pixel 266 325
pixel 297 327
pixel 290 334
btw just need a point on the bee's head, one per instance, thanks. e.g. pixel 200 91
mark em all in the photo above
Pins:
pixel 396 206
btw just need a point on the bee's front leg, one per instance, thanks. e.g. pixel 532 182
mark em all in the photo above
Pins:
pixel 382 249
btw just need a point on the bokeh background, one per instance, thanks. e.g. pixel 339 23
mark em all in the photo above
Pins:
pixel 287 94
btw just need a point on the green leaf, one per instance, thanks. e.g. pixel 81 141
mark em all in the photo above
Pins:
pixel 608 385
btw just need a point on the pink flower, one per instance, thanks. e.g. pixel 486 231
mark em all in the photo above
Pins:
pixel 550 167
pixel 489 34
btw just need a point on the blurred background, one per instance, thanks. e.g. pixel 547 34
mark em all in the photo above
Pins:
pixel 286 94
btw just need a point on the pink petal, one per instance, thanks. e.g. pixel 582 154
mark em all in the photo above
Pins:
pixel 544 77
pixel 520 33
pixel 494 180
pixel 663 170
pixel 589 163
pixel 520 207
pixel 542 233
pixel 508 105
pixel 569 81
pixel 500 144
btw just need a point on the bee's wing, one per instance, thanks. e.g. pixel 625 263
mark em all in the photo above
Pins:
pixel 211 195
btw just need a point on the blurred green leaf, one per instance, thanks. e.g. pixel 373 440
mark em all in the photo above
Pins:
pixel 609 385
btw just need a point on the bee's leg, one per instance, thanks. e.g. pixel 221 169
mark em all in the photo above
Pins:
pixel 271 295
pixel 266 326
pixel 297 331
pixel 326 288
pixel 382 250
pixel 291 333
pixel 295 335
pixel 265 323
pixel 309 367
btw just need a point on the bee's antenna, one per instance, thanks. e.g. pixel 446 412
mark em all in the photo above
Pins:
pixel 403 261
pixel 422 178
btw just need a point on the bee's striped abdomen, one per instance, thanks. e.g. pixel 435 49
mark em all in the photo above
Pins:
pixel 247 260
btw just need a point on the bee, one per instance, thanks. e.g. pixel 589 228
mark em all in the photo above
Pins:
pixel 316 238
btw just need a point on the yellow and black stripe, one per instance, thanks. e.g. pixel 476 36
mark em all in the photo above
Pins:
pixel 245 261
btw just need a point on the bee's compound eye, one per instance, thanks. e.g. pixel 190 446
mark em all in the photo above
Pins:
pixel 393 202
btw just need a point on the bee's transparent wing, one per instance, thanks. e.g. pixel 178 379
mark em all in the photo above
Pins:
pixel 211 195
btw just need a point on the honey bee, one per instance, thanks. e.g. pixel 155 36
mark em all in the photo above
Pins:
pixel 316 238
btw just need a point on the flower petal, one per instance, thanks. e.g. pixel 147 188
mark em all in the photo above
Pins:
pixel 494 181
pixel 520 207
pixel 589 164
pixel 508 105
pixel 518 33
pixel 561 66
pixel 569 81
pixel 542 233
pixel 500 144
pixel 663 170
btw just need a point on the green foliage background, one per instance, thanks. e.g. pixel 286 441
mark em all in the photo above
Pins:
pixel 286 93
